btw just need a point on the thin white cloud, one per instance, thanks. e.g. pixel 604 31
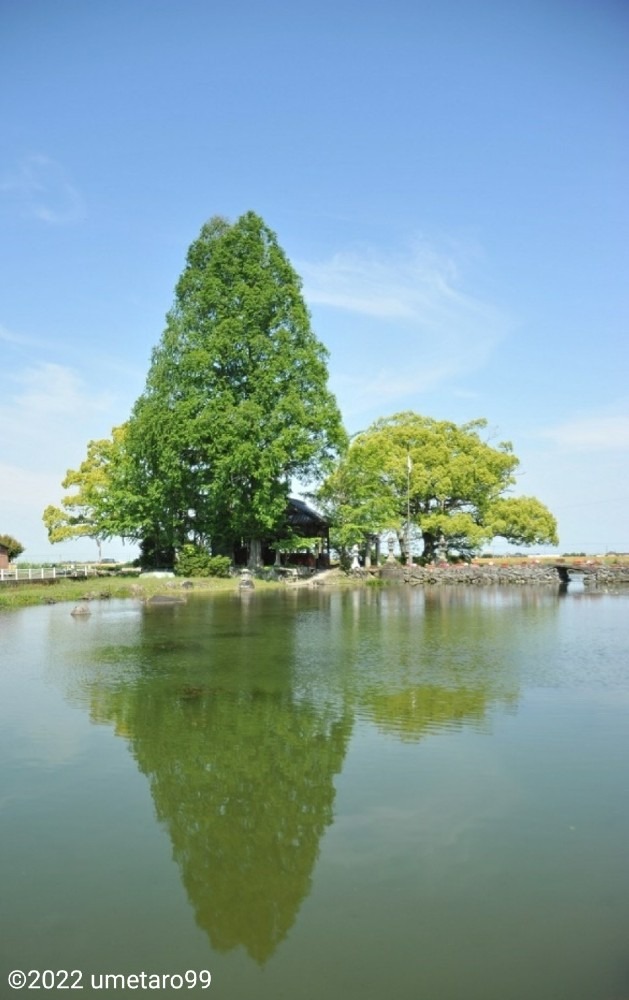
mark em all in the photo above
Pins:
pixel 41 189
pixel 48 413
pixel 25 493
pixel 418 286
pixel 417 320
pixel 47 416
pixel 46 389
pixel 598 432
pixel 23 489
pixel 358 392
pixel 8 337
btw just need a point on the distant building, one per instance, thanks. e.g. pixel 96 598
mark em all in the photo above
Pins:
pixel 4 557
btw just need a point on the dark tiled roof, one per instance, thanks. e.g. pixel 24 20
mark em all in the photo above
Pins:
pixel 304 520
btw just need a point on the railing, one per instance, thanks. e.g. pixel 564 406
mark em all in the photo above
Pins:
pixel 16 575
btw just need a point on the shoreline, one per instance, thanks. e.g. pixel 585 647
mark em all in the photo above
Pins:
pixel 593 575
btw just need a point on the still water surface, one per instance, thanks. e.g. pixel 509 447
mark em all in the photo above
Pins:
pixel 400 793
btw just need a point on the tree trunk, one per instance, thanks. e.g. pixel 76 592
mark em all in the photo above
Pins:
pixel 255 553
pixel 401 537
pixel 368 553
pixel 430 547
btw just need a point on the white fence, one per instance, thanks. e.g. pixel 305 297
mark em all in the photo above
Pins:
pixel 16 575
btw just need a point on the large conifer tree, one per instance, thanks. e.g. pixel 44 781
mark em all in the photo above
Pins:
pixel 236 402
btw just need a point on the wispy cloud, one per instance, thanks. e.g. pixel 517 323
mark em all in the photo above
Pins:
pixel 47 416
pixel 21 339
pixel 10 338
pixel 425 327
pixel 41 188
pixel 418 285
pixel 48 413
pixel 597 432
pixel 359 392
pixel 47 389
pixel 23 488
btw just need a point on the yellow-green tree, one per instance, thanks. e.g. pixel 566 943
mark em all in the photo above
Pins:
pixel 409 473
pixel 89 509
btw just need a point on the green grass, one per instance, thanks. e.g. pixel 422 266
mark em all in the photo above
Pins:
pixel 21 595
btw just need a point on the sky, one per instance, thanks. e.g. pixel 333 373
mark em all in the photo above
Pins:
pixel 448 177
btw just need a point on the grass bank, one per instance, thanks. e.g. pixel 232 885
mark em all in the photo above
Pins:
pixel 28 594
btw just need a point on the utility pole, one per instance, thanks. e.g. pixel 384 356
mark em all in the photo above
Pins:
pixel 409 466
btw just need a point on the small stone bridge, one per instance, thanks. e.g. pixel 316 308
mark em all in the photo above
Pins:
pixel 565 569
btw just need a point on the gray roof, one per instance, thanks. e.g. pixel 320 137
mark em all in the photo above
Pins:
pixel 304 520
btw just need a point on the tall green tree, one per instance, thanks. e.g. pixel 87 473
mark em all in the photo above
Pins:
pixel 412 474
pixel 236 402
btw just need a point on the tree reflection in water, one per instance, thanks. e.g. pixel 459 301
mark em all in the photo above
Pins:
pixel 242 776
pixel 240 716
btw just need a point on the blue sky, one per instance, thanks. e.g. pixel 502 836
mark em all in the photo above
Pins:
pixel 449 179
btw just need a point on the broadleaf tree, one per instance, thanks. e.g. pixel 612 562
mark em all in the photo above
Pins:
pixel 95 507
pixel 415 475
pixel 236 403
pixel 13 547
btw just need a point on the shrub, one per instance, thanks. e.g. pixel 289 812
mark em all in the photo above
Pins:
pixel 219 566
pixel 195 561
pixel 13 547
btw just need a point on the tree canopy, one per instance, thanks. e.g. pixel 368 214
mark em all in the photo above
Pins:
pixel 13 547
pixel 236 402
pixel 412 473
pixel 91 508
pixel 236 405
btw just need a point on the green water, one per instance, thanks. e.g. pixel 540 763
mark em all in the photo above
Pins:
pixel 362 794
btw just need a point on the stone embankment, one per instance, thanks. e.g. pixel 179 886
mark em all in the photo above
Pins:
pixel 531 574
pixel 607 576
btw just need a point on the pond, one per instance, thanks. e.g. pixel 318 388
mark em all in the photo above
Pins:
pixel 353 794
